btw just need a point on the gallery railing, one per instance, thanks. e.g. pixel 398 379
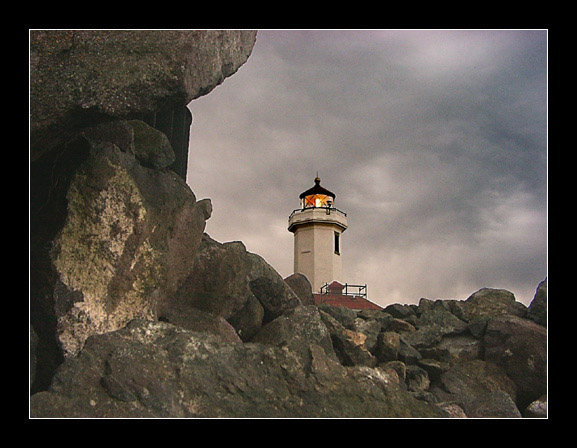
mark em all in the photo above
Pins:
pixel 347 290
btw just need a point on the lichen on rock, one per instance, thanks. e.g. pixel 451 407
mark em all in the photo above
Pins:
pixel 119 252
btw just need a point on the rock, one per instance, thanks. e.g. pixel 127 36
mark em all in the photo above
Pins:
pixel 444 322
pixel 417 379
pixel 296 329
pixel 348 345
pixel 345 316
pixel 82 77
pixel 371 314
pixel 302 287
pixel 453 409
pixel 407 353
pixel 488 302
pixel 537 409
pixel 154 369
pixel 248 321
pixel 390 375
pixel 425 305
pixel 218 284
pixel 151 147
pixel 433 367
pixel 175 122
pixel 120 247
pixel 241 287
pixel 519 346
pixel 464 381
pixel 538 308
pixel 494 404
pixel 398 367
pixel 272 292
pixel 370 328
pixel 399 311
pixel 119 133
pixel 425 396
pixel 399 325
pixel 351 349
pixel 379 315
pixel 423 337
pixel 32 355
pixel 455 349
pixel 194 319
pixel 387 346
pixel 478 326
pixel 434 305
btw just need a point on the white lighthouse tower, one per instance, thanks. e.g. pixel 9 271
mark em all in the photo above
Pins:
pixel 317 228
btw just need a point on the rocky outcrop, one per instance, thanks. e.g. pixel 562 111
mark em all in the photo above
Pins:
pixel 154 369
pixel 310 361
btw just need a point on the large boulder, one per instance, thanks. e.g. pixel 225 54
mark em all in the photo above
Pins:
pixel 476 377
pixel 154 369
pixel 302 287
pixel 81 77
pixel 486 303
pixel 239 286
pixel 112 240
pixel 297 329
pixel 480 388
pixel 519 346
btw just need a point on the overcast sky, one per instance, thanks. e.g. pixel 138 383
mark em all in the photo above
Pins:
pixel 434 142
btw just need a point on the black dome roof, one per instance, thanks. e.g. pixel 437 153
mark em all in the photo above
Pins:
pixel 317 189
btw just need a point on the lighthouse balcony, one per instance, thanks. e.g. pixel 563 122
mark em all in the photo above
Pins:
pixel 311 215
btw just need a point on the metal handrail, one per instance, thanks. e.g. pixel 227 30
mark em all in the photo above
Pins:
pixel 322 208
pixel 359 293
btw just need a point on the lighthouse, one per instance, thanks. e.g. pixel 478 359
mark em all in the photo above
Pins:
pixel 318 227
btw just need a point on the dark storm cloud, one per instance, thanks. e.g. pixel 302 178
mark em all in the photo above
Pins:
pixel 433 141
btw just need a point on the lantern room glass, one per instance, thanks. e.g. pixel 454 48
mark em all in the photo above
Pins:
pixel 316 200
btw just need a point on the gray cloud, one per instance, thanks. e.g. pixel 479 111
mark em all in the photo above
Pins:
pixel 434 142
